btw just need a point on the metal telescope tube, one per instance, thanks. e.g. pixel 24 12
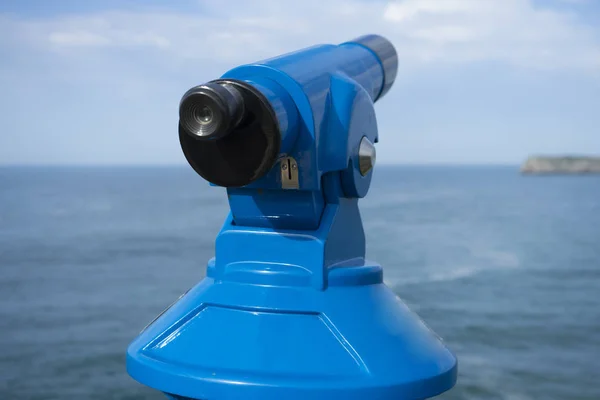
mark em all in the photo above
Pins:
pixel 370 60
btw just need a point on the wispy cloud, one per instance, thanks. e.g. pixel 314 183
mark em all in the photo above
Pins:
pixel 86 39
pixel 425 31
pixel 511 31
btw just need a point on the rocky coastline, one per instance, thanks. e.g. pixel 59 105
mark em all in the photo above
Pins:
pixel 561 165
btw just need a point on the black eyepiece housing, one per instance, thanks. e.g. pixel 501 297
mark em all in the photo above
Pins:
pixel 211 111
pixel 229 132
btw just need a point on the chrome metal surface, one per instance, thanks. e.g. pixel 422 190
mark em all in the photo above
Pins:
pixel 366 156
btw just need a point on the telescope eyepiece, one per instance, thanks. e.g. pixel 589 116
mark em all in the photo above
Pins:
pixel 229 132
pixel 211 111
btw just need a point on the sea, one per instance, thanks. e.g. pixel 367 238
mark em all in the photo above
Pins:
pixel 505 268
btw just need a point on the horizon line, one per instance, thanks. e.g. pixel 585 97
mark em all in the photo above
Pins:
pixel 172 165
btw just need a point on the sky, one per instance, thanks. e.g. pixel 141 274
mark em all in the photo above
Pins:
pixel 479 81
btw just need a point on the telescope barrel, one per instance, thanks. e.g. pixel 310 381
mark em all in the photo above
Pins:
pixel 387 56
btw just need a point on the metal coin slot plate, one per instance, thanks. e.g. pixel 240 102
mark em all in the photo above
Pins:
pixel 289 173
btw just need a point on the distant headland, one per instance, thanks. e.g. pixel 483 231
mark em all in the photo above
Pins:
pixel 561 165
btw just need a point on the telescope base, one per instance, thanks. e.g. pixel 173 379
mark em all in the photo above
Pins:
pixel 353 340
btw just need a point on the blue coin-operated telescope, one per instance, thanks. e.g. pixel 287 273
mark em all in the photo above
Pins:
pixel 290 308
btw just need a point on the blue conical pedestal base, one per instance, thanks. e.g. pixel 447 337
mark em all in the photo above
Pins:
pixel 353 340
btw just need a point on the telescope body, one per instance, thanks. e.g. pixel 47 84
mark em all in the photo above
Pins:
pixel 290 308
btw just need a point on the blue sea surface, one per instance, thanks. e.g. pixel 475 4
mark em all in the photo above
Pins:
pixel 504 267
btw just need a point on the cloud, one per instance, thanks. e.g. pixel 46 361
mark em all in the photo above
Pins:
pixel 515 32
pixel 511 31
pixel 87 39
pixel 77 39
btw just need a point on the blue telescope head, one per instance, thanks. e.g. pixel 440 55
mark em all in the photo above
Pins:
pixel 235 129
pixel 290 308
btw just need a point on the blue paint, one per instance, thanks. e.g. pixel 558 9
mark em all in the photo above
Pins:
pixel 307 76
pixel 290 308
pixel 284 108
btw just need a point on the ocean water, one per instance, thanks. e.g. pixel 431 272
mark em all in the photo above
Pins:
pixel 505 268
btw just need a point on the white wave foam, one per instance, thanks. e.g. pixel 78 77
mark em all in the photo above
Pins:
pixel 452 275
pixel 502 259
pixel 441 276
pixel 493 260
